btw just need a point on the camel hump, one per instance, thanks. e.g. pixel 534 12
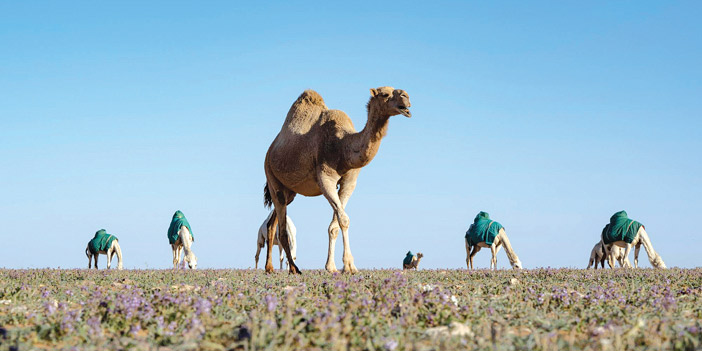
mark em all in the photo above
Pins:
pixel 305 111
pixel 312 97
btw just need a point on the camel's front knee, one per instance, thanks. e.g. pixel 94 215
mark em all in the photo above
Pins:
pixel 344 221
pixel 333 229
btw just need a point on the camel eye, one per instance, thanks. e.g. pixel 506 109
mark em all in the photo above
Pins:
pixel 384 95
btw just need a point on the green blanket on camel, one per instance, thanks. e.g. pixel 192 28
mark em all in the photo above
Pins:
pixel 482 230
pixel 408 258
pixel 177 222
pixel 101 242
pixel 620 228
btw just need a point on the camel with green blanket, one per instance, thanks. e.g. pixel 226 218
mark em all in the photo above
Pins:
pixel 624 232
pixel 411 260
pixel 485 232
pixel 106 244
pixel 180 236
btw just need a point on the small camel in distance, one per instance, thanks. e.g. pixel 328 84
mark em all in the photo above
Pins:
pixel 106 244
pixel 412 261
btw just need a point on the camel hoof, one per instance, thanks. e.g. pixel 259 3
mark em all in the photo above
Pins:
pixel 351 269
pixel 270 269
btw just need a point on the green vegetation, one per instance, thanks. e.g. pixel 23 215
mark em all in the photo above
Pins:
pixel 543 309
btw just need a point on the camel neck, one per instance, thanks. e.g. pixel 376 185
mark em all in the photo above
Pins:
pixel 363 146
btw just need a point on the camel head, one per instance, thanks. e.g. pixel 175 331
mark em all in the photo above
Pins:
pixel 388 101
pixel 517 264
pixel 419 255
pixel 192 260
pixel 658 262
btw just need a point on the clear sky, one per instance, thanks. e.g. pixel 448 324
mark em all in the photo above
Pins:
pixel 551 116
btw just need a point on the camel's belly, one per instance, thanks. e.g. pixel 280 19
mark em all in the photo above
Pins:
pixel 483 244
pixel 620 243
pixel 307 188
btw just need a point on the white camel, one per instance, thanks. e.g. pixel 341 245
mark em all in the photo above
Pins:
pixel 114 249
pixel 184 243
pixel 263 235
pixel 597 255
pixel 500 240
pixel 640 239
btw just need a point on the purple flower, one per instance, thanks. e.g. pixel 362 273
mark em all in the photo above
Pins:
pixel 271 302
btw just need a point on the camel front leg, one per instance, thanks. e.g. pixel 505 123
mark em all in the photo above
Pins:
pixel 327 184
pixel 493 262
pixel 108 257
pixel 636 255
pixel 118 249
pixel 179 252
pixel 347 184
pixel 625 258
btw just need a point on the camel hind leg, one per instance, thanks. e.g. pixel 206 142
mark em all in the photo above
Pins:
pixel 281 198
pixel 90 256
pixel 258 251
pixel 467 255
pixel 475 250
pixel 174 249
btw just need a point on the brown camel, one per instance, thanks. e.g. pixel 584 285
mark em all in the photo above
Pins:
pixel 318 150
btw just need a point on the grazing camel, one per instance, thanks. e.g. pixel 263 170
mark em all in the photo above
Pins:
pixel 106 244
pixel 485 232
pixel 181 238
pixel 625 233
pixel 412 261
pixel 597 255
pixel 263 234
pixel 318 151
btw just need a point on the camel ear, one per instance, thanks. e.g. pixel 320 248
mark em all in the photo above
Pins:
pixel 373 92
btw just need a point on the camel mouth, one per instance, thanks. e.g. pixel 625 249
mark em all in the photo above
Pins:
pixel 405 112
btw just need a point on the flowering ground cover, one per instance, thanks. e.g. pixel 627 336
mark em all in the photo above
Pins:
pixel 542 309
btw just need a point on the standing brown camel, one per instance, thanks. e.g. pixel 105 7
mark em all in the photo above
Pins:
pixel 318 150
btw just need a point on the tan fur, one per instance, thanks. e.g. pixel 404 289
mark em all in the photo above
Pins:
pixel 415 262
pixel 597 256
pixel 500 240
pixel 114 249
pixel 640 239
pixel 184 242
pixel 318 149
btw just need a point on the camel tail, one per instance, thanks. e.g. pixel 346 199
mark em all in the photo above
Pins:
pixel 267 199
pixel 87 252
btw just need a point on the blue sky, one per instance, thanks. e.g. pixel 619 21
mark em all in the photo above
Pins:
pixel 551 116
